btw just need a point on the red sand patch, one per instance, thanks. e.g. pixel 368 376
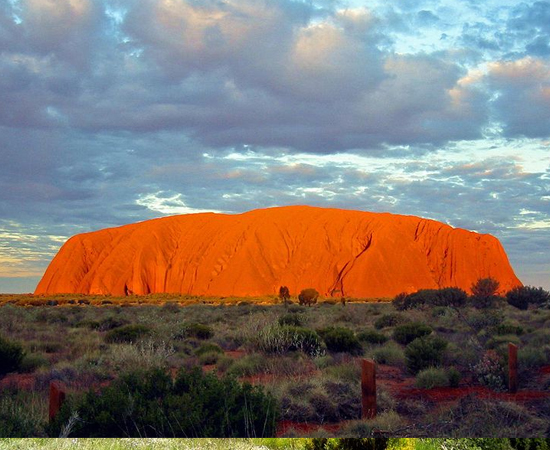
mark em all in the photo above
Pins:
pixel 451 394
pixel 306 428
pixel 25 381
pixel 235 354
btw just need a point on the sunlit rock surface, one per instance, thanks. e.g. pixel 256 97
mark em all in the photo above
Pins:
pixel 337 252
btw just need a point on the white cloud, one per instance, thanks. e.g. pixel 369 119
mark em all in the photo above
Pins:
pixel 168 203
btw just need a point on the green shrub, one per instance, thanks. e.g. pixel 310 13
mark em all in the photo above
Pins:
pixel 22 414
pixel 532 357
pixel 523 296
pixel 415 300
pixel 372 337
pixel 425 352
pixel 530 443
pixel 508 328
pixel 127 333
pixel 451 296
pixel 208 348
pixel 484 293
pixel 209 358
pixel 247 366
pixel 308 297
pixel 284 339
pixel 33 361
pixel 110 323
pixel 150 404
pixel 194 330
pixel 171 308
pixel 11 356
pixel 390 353
pixel 406 333
pixel 339 339
pixel 431 377
pixel 291 319
pixel 498 341
pixel 486 319
pixel 389 320
pixel 454 377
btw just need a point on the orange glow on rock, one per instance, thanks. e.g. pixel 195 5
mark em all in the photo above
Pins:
pixel 337 252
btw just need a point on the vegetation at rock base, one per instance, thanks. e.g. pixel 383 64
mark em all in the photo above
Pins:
pixel 11 355
pixel 286 351
pixel 308 297
pixel 151 404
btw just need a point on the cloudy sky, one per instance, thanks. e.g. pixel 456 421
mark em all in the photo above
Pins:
pixel 116 111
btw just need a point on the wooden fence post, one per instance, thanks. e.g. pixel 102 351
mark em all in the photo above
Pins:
pixel 57 397
pixel 512 368
pixel 368 389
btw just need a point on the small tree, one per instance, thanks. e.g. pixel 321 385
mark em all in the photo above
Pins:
pixel 522 296
pixel 308 297
pixel 284 294
pixel 484 292
pixel 11 355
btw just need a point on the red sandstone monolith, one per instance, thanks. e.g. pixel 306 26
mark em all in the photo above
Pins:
pixel 368 389
pixel 337 252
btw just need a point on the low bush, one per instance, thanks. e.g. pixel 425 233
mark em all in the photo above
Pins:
pixel 485 293
pixel 389 320
pixel 247 366
pixel 209 358
pixel 437 377
pixel 508 328
pixel 371 337
pixel 208 348
pixel 33 361
pixel 415 300
pixel 454 377
pixel 425 352
pixel 451 296
pixel 523 296
pixel 497 342
pixel 284 339
pixel 308 297
pixel 151 404
pixel 532 357
pixel 110 323
pixel 11 356
pixel 127 333
pixel 22 414
pixel 431 377
pixel 291 319
pixel 390 353
pixel 489 371
pixel 194 330
pixel 406 333
pixel 486 319
pixel 339 339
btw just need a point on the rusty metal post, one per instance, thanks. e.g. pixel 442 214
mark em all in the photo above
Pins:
pixel 368 389
pixel 57 397
pixel 512 368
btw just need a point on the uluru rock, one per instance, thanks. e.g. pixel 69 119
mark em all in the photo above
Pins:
pixel 338 252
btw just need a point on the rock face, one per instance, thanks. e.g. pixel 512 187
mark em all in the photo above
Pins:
pixel 337 252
